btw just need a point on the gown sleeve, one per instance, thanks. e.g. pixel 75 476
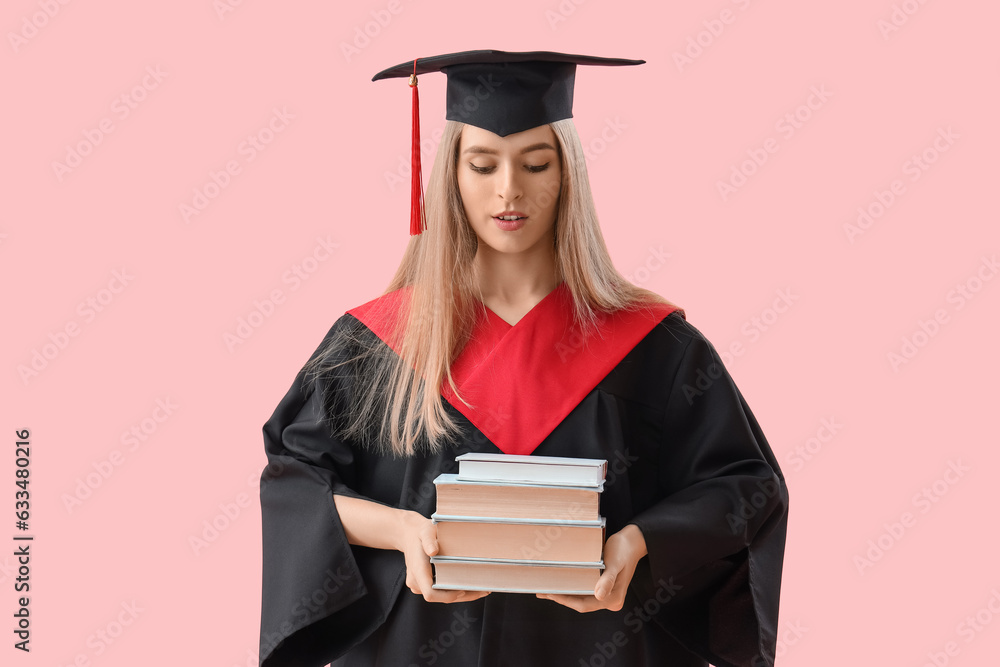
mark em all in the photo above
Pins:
pixel 320 595
pixel 716 540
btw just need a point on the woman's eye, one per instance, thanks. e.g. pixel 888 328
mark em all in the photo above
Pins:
pixel 534 169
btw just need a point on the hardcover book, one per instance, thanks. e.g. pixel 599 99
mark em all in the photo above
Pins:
pixel 515 576
pixel 519 539
pixel 518 500
pixel 541 469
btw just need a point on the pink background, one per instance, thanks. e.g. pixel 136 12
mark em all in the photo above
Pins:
pixel 671 133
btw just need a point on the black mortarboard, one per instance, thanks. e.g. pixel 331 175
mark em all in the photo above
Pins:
pixel 500 91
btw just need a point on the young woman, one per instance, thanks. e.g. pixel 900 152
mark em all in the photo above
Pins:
pixel 507 328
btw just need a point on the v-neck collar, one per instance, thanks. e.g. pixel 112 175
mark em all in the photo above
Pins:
pixel 520 381
pixel 497 321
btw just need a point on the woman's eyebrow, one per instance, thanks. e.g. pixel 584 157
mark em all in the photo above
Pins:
pixel 527 149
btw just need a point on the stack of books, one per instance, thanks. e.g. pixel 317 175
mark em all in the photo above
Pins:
pixel 520 524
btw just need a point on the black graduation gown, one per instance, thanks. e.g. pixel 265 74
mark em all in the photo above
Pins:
pixel 687 464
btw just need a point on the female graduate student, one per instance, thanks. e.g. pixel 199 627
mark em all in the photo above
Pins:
pixel 507 329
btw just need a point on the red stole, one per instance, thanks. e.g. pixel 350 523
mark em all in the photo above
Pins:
pixel 522 380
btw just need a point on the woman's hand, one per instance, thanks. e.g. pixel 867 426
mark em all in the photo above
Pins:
pixel 622 552
pixel 418 542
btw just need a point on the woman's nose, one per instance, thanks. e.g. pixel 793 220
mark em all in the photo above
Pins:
pixel 509 185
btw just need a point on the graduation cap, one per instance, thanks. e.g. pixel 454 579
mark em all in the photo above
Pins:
pixel 500 91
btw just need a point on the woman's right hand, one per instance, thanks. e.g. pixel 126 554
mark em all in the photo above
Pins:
pixel 418 542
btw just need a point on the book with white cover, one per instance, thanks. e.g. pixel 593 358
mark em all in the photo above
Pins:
pixel 557 470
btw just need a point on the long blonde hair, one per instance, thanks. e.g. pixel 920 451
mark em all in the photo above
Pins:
pixel 438 271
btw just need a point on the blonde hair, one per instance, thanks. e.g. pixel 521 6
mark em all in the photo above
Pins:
pixel 432 327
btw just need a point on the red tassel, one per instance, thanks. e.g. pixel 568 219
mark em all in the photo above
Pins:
pixel 417 221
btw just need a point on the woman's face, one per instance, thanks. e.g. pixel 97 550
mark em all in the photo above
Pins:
pixel 514 176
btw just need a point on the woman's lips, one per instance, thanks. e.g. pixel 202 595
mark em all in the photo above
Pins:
pixel 509 225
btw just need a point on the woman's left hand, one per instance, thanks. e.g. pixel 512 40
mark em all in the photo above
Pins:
pixel 622 552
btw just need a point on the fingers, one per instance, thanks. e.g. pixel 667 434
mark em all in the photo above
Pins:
pixel 419 577
pixel 585 603
pixel 420 581
pixel 580 603
pixel 605 584
pixel 420 544
pixel 428 539
pixel 447 597
pixel 469 596
pixel 410 583
pixel 609 593
pixel 422 575
pixel 435 595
